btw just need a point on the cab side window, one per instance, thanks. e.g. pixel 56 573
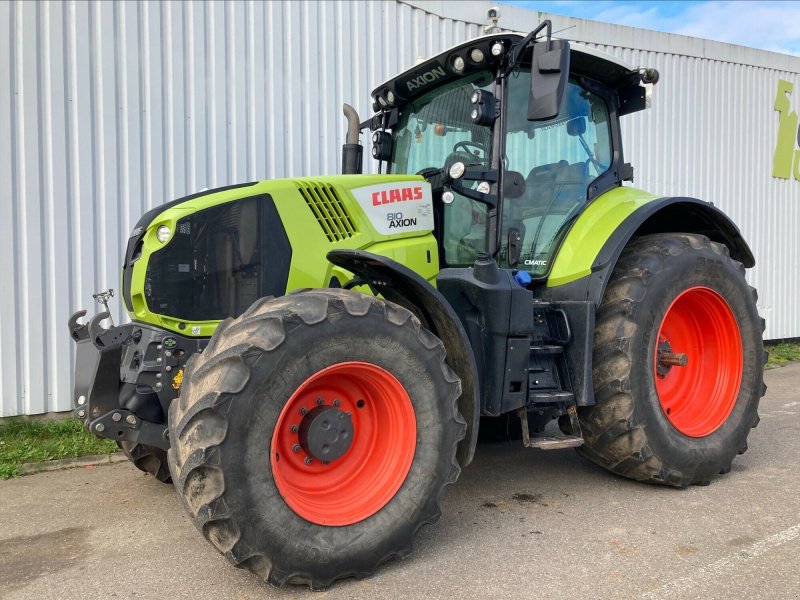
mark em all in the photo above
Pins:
pixel 558 159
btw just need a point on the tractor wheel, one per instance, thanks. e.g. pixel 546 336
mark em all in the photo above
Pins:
pixel 148 459
pixel 678 363
pixel 315 435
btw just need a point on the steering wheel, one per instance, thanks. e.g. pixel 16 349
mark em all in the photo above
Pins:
pixel 467 145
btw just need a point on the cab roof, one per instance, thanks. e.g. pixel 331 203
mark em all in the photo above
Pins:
pixel 439 69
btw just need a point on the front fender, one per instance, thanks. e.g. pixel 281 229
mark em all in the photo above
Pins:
pixel 399 284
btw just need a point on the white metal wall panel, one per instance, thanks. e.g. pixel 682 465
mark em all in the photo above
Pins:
pixel 110 108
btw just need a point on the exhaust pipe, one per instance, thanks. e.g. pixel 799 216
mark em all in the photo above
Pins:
pixel 352 150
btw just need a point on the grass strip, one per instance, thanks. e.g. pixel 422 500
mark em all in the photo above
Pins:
pixel 782 353
pixel 24 441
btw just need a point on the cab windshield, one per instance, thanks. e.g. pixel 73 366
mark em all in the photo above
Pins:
pixel 558 160
pixel 435 130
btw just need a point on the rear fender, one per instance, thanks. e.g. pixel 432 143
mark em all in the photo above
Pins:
pixel 594 246
pixel 585 262
pixel 399 284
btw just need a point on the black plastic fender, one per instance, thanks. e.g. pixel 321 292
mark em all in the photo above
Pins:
pixel 669 214
pixel 399 284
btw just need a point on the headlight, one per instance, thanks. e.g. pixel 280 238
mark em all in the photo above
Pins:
pixel 457 170
pixel 163 233
pixel 476 55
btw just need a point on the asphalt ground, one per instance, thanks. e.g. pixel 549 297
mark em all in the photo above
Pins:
pixel 519 523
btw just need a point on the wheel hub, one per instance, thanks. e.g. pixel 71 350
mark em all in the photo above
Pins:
pixel 326 433
pixel 668 359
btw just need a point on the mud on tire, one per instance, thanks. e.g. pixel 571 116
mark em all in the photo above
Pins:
pixel 628 430
pixel 224 422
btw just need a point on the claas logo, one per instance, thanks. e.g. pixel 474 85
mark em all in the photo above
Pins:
pixel 396 195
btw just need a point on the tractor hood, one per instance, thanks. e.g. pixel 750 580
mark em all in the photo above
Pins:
pixel 197 260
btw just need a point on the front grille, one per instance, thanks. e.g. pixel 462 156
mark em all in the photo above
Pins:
pixel 329 210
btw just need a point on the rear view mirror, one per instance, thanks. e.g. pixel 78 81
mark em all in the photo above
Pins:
pixel 549 75
pixel 576 126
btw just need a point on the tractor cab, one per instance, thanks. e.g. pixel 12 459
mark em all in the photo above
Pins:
pixel 516 136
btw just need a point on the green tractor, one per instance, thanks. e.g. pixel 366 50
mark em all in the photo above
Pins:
pixel 310 360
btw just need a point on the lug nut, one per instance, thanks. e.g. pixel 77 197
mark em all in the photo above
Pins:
pixel 81 400
pixel 81 414
pixel 158 387
pixel 308 460
pixel 296 448
pixel 116 417
pixel 294 428
pixel 100 427
pixel 303 410
pixel 131 420
pixel 320 401
pixel 337 402
pixel 168 368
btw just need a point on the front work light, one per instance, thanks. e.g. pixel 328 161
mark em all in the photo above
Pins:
pixel 483 107
pixel 457 170
pixel 381 145
pixel 163 233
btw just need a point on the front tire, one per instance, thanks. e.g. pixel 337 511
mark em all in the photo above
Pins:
pixel 670 296
pixel 315 435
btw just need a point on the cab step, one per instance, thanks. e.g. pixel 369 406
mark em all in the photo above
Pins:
pixel 547 349
pixel 554 442
pixel 550 442
pixel 550 397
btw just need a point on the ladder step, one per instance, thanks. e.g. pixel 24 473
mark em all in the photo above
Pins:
pixel 554 442
pixel 547 349
pixel 548 397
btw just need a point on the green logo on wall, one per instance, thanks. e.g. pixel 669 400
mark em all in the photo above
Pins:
pixel 787 159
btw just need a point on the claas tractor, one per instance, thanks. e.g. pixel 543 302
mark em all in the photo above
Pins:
pixel 310 360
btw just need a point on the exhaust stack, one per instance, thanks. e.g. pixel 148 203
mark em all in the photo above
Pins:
pixel 352 150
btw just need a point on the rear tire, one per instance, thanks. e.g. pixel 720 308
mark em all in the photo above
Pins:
pixel 148 459
pixel 674 425
pixel 238 461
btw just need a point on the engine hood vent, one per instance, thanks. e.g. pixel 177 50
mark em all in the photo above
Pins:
pixel 329 210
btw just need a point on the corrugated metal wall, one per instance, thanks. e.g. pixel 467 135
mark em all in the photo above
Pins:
pixel 110 108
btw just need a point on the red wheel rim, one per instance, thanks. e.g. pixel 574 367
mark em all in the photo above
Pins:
pixel 374 466
pixel 697 398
